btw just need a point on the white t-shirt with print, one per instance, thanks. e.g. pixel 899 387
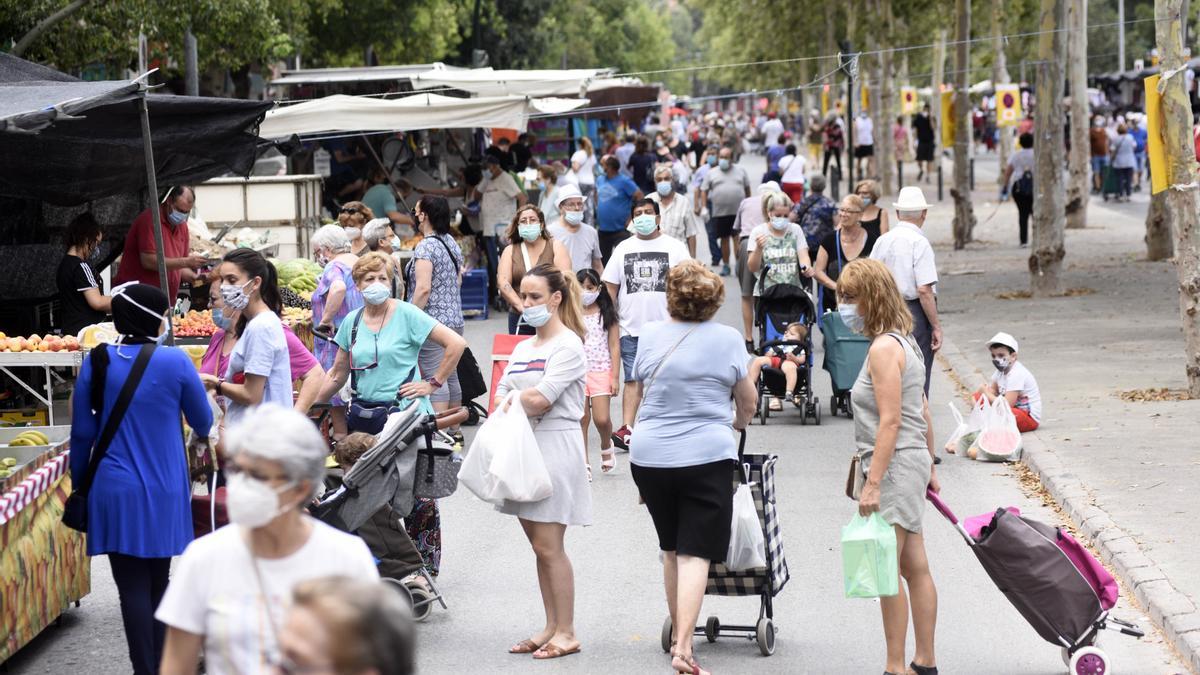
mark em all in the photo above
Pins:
pixel 1018 378
pixel 214 592
pixel 639 269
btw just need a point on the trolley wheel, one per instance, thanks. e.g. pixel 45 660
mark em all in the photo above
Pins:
pixel 803 415
pixel 472 417
pixel 422 602
pixel 666 634
pixel 1089 661
pixel 762 410
pixel 712 628
pixel 817 411
pixel 765 634
pixel 833 405
pixel 849 408
pixel 1067 653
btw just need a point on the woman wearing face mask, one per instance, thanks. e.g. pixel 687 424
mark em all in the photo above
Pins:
pixel 531 246
pixel 847 243
pixel 336 296
pixel 139 505
pixel 259 368
pixel 232 588
pixel 548 372
pixel 891 421
pixel 778 246
pixel 381 345
pixel 874 218
pixel 83 300
pixel 354 217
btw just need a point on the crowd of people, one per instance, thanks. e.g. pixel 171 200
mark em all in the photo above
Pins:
pixel 601 275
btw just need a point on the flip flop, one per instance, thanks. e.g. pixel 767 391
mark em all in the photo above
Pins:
pixel 553 651
pixel 608 461
pixel 524 647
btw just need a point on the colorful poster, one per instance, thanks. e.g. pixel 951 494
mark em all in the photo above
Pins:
pixel 947 118
pixel 908 100
pixel 866 98
pixel 1156 149
pixel 1008 105
pixel 824 101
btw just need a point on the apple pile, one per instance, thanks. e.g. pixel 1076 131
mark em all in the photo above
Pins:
pixel 36 343
pixel 195 324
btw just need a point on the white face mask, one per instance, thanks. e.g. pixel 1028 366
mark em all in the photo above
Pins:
pixel 589 298
pixel 250 502
pixel 850 316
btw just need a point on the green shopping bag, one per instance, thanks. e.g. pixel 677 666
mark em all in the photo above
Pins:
pixel 869 563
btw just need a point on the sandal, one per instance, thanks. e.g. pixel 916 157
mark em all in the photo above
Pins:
pixel 688 665
pixel 524 647
pixel 608 461
pixel 553 651
pixel 922 670
pixel 776 405
pixel 798 400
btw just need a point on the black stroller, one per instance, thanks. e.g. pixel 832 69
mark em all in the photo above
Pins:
pixel 777 307
pixel 408 460
pixel 765 582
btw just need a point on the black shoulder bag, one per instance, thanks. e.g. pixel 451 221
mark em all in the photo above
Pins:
pixel 368 416
pixel 75 511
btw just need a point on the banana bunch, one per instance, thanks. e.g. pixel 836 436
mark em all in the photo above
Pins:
pixel 304 283
pixel 29 439
pixel 7 466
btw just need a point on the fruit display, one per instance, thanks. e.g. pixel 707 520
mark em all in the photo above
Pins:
pixel 410 244
pixel 195 324
pixel 293 316
pixel 37 343
pixel 293 299
pixel 26 439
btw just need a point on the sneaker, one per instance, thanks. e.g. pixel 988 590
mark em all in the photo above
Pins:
pixel 621 436
pixel 724 270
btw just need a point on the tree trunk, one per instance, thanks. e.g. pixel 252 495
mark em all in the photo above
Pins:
pixel 1158 229
pixel 45 25
pixel 885 155
pixel 1049 218
pixel 964 214
pixel 1181 172
pixel 191 68
pixel 1000 76
pixel 935 105
pixel 1079 158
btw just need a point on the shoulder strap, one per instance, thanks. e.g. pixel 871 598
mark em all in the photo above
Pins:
pixel 100 449
pixel 350 351
pixel 438 239
pixel 525 256
pixel 838 246
pixel 666 356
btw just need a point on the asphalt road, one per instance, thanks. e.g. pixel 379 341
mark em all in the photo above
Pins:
pixel 489 580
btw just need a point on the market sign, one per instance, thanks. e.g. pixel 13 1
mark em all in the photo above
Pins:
pixel 908 100
pixel 1008 105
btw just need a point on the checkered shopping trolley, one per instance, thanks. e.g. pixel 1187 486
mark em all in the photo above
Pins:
pixel 765 582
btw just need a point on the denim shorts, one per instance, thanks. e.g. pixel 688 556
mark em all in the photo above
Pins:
pixel 629 345
pixel 1098 164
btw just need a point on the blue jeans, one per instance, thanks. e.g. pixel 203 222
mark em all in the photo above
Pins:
pixel 629 346
pixel 1098 164
pixel 493 258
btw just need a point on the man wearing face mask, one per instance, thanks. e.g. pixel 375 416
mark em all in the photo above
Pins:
pixel 636 277
pixel 726 186
pixel 580 239
pixel 139 259
pixel 83 300
pixel 677 219
pixel 1014 382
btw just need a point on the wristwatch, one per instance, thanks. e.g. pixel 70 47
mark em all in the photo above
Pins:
pixel 433 382
pixel 219 383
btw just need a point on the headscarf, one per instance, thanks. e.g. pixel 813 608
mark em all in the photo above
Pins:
pixel 138 312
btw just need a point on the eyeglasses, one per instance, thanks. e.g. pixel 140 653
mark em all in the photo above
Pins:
pixel 232 469
pixel 847 212
pixel 374 363
pixel 350 210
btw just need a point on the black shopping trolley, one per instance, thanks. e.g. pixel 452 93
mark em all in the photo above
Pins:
pixel 765 582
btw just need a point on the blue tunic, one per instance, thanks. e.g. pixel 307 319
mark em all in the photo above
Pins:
pixel 140 500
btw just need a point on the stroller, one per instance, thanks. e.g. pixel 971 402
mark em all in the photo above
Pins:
pixel 1052 580
pixel 777 307
pixel 845 352
pixel 406 462
pixel 765 582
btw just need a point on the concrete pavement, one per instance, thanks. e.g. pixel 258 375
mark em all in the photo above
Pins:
pixel 489 579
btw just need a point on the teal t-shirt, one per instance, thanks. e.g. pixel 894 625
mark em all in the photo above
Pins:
pixel 380 199
pixel 399 342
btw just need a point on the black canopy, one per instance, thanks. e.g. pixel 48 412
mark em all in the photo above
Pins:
pixel 67 141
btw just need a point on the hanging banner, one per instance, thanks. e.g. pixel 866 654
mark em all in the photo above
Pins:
pixel 1008 105
pixel 908 100
pixel 1156 150
pixel 947 118
pixel 866 98
pixel 824 101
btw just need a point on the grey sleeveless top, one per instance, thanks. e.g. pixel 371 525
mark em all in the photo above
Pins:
pixel 912 392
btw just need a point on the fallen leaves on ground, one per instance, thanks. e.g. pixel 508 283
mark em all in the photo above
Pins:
pixel 1014 295
pixel 1153 395
pixel 1026 295
pixel 1075 292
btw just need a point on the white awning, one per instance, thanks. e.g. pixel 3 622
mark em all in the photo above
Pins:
pixel 489 82
pixel 422 111
pixel 361 74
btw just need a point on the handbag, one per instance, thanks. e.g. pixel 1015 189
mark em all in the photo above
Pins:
pixel 75 510
pixel 368 416
pixel 860 464
pixel 436 474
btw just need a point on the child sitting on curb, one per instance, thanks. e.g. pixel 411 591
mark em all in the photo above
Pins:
pixel 788 358
pixel 1014 382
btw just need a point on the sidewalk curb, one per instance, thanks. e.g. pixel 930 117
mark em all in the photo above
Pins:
pixel 1171 610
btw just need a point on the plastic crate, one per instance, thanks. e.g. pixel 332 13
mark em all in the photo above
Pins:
pixel 474 294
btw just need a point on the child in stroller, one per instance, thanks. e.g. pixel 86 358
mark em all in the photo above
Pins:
pixel 788 359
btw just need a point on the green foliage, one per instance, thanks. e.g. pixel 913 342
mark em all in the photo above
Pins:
pixel 399 31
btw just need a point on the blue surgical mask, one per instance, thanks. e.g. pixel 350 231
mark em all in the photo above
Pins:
pixel 724 164
pixel 663 187
pixel 712 161
pixel 780 223
pixel 573 217
pixel 536 316
pixel 850 316
pixel 867 201
pixel 176 217
pixel 529 231
pixel 376 293
pixel 221 321
pixel 644 225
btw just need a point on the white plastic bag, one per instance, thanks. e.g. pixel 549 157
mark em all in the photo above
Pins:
pixel 999 440
pixel 966 442
pixel 504 461
pixel 747 546
pixel 960 430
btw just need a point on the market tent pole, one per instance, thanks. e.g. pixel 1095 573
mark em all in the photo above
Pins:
pixel 152 196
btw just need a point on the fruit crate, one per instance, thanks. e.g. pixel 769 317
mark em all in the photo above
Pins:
pixel 474 294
